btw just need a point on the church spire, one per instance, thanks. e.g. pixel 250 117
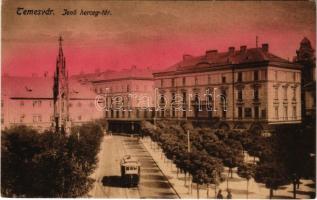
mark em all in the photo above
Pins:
pixel 60 40
pixel 61 93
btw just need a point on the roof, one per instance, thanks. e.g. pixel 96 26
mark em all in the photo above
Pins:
pixel 214 58
pixel 110 75
pixel 129 160
pixel 41 87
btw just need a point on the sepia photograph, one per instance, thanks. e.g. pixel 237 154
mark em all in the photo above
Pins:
pixel 158 99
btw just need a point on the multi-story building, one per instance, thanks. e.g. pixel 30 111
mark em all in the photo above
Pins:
pixel 127 96
pixel 248 88
pixel 29 101
pixel 44 102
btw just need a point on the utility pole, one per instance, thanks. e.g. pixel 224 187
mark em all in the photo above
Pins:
pixel 188 149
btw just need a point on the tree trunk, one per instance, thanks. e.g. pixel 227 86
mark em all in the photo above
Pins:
pixel 247 189
pixel 185 178
pixel 177 172
pixel 197 191
pixel 228 179
pixel 231 172
pixel 189 183
pixel 271 193
pixel 294 190
pixel 215 191
pixel 207 191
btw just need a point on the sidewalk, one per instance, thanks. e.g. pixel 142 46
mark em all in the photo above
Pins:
pixel 236 184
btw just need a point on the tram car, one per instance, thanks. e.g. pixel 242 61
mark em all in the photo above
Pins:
pixel 130 171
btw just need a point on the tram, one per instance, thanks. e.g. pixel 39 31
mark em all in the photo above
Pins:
pixel 130 171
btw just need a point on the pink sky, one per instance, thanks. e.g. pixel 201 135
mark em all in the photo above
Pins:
pixel 147 34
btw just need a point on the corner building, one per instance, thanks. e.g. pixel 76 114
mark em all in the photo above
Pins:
pixel 260 89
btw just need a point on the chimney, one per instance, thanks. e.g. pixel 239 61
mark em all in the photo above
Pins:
pixel 211 52
pixel 187 57
pixel 265 47
pixel 231 49
pixel 243 48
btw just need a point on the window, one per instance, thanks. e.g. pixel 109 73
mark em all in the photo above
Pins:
pixel 184 81
pixel 247 112
pixel 162 82
pixel 240 95
pixel 196 80
pixel 276 112
pixel 1 103
pixel 91 104
pixel 36 118
pixel 173 82
pixel 285 93
pixel 239 76
pixel 117 114
pixel 21 103
pixel 256 75
pixel 285 113
pixel 264 113
pixel 294 93
pixel 276 92
pixel 2 119
pixel 223 79
pixel 256 112
pixel 239 112
pixel 22 118
pixel 256 94
pixel 294 112
pixel 224 114
pixel 128 88
pixel 79 104
pixel 275 75
pixel 209 79
pixel 37 103
pixel 137 113
pixel 79 118
pixel 145 113
pixel 294 76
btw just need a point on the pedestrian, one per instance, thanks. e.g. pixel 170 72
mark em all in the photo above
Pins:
pixel 229 195
pixel 219 195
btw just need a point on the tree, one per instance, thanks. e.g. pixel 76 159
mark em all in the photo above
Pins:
pixel 246 171
pixel 48 164
pixel 272 174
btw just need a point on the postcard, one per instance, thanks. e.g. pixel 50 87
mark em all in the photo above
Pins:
pixel 158 99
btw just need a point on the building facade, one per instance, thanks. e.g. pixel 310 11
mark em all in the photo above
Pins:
pixel 238 89
pixel 47 103
pixel 127 96
pixel 29 101
pixel 305 56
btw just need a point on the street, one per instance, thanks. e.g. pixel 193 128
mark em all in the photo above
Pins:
pixel 153 184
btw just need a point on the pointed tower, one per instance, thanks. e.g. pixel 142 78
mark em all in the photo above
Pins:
pixel 61 94
pixel 305 56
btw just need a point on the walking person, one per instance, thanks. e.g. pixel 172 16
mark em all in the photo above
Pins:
pixel 219 195
pixel 229 195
